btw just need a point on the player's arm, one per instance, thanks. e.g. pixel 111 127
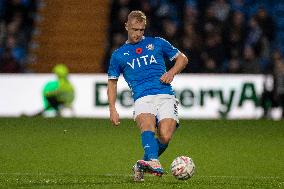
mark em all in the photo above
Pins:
pixel 180 63
pixel 112 93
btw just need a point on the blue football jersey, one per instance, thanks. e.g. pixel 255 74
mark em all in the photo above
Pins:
pixel 142 65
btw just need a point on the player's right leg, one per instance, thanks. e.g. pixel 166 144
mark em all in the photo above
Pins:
pixel 151 164
pixel 145 117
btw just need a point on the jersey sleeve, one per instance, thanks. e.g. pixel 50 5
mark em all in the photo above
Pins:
pixel 114 69
pixel 169 50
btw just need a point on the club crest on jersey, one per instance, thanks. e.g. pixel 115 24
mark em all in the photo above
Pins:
pixel 150 47
pixel 139 50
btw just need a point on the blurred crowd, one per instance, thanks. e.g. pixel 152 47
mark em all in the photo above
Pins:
pixel 218 36
pixel 16 26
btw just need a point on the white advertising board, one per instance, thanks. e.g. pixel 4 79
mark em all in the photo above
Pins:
pixel 200 96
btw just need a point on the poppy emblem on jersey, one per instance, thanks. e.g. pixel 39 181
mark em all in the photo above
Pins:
pixel 150 47
pixel 139 50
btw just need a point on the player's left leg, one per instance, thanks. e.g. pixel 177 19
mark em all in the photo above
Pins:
pixel 166 129
pixel 167 121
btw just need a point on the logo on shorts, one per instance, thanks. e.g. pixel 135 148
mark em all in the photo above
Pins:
pixel 175 109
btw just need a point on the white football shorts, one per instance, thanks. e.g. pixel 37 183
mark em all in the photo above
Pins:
pixel 161 105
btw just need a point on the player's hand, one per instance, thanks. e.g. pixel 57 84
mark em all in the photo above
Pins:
pixel 167 77
pixel 114 117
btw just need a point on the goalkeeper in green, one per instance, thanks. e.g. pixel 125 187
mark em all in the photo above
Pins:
pixel 58 94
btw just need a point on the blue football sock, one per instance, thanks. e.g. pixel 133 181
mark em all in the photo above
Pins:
pixel 162 147
pixel 150 145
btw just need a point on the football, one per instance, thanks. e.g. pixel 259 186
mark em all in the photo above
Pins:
pixel 182 168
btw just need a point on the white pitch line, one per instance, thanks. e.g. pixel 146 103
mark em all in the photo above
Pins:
pixel 240 177
pixel 209 176
pixel 129 175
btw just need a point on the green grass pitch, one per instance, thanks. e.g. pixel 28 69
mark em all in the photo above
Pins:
pixel 90 153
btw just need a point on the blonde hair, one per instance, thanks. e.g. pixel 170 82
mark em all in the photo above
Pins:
pixel 138 15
